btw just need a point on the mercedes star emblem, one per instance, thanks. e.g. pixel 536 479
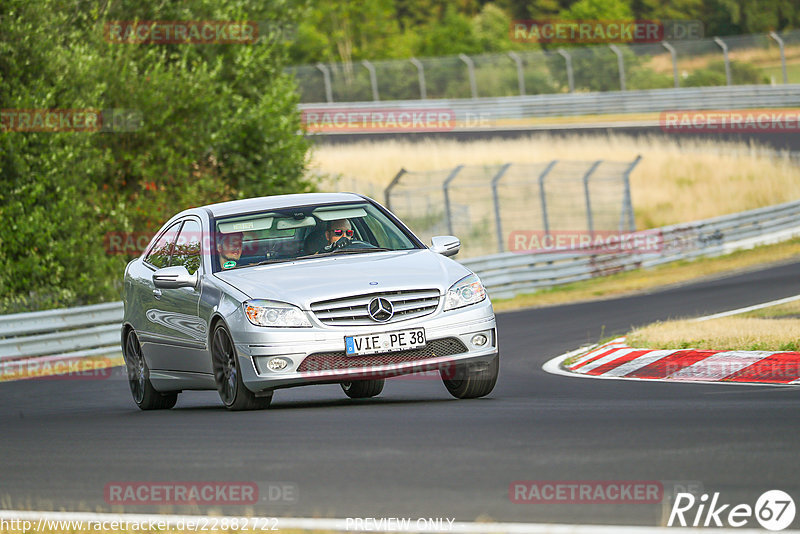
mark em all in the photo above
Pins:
pixel 380 309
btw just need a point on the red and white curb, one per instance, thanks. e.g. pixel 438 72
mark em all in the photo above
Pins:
pixel 616 360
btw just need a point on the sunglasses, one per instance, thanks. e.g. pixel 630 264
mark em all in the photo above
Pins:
pixel 340 232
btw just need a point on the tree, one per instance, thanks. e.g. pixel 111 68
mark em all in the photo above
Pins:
pixel 210 123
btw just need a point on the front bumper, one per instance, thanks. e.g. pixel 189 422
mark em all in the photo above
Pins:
pixel 256 346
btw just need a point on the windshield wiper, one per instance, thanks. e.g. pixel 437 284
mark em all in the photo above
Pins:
pixel 281 260
pixel 360 250
pixel 265 262
pixel 319 255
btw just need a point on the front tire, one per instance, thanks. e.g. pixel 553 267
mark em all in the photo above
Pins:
pixel 228 376
pixel 467 383
pixel 144 394
pixel 363 389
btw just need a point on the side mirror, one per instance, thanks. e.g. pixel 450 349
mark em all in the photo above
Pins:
pixel 446 245
pixel 174 277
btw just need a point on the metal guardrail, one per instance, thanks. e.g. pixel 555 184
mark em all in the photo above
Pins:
pixel 73 333
pixel 60 335
pixel 510 274
pixel 486 113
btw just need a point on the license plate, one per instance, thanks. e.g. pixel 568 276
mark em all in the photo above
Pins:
pixel 412 338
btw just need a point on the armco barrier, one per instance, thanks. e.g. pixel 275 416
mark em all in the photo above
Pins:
pixel 86 331
pixel 509 274
pixel 493 112
pixel 61 335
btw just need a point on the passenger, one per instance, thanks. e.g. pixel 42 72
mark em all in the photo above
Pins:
pixel 229 249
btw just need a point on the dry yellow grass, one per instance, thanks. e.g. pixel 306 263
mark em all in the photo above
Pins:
pixel 760 56
pixel 790 309
pixel 728 333
pixel 677 181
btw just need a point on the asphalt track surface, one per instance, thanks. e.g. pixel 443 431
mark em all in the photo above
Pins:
pixel 416 452
pixel 774 140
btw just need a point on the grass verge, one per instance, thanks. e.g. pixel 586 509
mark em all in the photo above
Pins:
pixel 647 279
pixel 726 333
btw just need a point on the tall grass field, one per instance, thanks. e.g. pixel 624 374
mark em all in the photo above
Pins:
pixel 678 180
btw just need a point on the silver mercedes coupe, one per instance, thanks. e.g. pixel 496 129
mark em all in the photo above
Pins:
pixel 253 295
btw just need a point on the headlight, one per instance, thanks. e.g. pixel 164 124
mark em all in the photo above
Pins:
pixel 273 313
pixel 466 291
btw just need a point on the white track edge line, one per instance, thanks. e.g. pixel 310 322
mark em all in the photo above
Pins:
pixel 343 525
pixel 748 308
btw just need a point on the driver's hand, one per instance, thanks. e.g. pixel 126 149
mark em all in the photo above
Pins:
pixel 340 243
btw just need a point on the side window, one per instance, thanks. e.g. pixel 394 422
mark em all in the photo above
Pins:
pixel 187 247
pixel 159 255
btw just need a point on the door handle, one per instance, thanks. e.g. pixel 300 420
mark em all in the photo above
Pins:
pixel 157 294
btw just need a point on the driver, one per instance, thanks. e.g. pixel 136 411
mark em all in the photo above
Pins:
pixel 229 249
pixel 339 234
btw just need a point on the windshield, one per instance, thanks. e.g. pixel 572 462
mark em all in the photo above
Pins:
pixel 305 232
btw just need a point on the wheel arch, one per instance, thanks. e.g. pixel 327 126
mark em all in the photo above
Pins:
pixel 126 327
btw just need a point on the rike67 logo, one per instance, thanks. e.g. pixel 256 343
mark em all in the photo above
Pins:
pixel 774 510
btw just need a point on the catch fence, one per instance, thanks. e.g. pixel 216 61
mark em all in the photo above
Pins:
pixel 757 59
pixel 487 205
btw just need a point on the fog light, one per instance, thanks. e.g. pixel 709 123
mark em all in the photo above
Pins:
pixel 479 340
pixel 277 364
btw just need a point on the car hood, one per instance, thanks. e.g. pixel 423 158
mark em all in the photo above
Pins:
pixel 305 281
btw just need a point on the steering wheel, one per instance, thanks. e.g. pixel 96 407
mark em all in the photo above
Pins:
pixel 346 243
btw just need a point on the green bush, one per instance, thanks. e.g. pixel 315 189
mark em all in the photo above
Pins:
pixel 216 122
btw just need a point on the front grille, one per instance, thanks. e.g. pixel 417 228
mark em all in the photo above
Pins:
pixel 352 311
pixel 325 361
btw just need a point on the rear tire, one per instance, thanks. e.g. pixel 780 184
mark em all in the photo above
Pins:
pixel 467 383
pixel 363 389
pixel 144 394
pixel 227 374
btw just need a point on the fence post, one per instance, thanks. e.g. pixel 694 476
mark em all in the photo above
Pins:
pixel 724 48
pixel 373 79
pixel 568 60
pixel 421 75
pixel 778 40
pixel 387 192
pixel 445 185
pixel 620 65
pixel 473 85
pixel 587 197
pixel 326 75
pixel 674 55
pixel 520 73
pixel 627 205
pixel 496 198
pixel 542 196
